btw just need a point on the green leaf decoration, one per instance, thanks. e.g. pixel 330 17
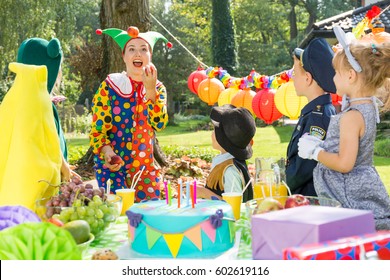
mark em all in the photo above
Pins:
pixel 37 241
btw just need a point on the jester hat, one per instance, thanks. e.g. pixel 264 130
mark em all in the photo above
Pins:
pixel 122 37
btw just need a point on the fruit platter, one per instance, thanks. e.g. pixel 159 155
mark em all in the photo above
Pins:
pixel 79 201
pixel 275 203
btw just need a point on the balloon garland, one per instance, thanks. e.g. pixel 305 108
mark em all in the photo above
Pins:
pixel 266 107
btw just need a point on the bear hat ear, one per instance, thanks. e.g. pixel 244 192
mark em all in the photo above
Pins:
pixel 54 48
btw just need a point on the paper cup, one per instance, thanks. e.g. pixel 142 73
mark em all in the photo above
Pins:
pixel 127 198
pixel 234 199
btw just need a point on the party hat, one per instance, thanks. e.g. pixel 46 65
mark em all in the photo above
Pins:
pixel 121 37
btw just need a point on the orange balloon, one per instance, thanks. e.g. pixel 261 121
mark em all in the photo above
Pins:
pixel 244 99
pixel 209 90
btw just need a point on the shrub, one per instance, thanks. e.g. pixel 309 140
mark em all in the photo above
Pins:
pixel 193 152
pixel 382 147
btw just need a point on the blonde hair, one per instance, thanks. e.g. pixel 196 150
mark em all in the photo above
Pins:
pixel 383 93
pixel 374 60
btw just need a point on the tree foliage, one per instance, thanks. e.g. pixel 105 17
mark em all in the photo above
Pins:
pixel 265 32
pixel 223 43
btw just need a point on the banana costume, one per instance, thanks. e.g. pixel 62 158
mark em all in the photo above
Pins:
pixel 29 145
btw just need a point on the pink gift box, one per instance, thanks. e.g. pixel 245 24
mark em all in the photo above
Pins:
pixel 274 231
pixel 349 248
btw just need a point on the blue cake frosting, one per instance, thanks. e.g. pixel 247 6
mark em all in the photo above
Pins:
pixel 159 230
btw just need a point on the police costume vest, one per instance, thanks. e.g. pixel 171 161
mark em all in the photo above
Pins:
pixel 314 119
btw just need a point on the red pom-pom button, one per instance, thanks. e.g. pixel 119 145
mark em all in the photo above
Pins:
pixel 133 31
pixel 98 31
pixel 169 45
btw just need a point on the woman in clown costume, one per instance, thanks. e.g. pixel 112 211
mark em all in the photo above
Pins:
pixel 127 108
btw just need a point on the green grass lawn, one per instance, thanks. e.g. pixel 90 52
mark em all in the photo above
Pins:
pixel 268 142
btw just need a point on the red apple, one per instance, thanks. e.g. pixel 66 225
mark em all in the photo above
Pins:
pixel 296 200
pixel 268 204
pixel 56 222
pixel 116 160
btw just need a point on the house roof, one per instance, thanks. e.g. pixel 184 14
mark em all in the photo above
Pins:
pixel 347 21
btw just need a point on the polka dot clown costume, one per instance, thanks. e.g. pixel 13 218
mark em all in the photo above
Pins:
pixel 125 116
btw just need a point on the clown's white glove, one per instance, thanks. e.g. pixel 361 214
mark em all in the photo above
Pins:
pixel 309 147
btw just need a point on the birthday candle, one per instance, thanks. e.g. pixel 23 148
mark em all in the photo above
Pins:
pixel 188 193
pixel 169 194
pixel 195 191
pixel 179 194
pixel 192 197
pixel 166 191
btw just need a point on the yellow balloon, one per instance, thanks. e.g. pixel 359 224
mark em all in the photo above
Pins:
pixel 29 144
pixel 225 97
pixel 288 102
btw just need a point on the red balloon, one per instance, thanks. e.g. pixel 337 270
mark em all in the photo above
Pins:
pixel 264 107
pixel 195 78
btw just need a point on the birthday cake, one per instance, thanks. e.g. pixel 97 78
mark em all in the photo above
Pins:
pixel 158 229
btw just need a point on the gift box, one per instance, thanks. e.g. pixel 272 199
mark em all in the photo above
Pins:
pixel 272 232
pixel 367 246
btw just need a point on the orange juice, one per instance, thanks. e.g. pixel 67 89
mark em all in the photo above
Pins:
pixel 276 190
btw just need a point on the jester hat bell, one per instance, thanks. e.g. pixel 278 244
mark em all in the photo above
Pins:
pixel 121 37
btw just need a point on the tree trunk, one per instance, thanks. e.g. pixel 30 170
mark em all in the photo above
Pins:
pixel 121 14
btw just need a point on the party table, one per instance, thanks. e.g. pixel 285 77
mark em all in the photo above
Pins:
pixel 116 238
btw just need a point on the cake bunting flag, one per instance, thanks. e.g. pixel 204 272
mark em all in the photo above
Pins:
pixel 232 230
pixel 131 232
pixel 209 230
pixel 152 236
pixel 194 235
pixel 173 241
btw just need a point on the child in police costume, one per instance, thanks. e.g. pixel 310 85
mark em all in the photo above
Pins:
pixel 234 129
pixel 313 77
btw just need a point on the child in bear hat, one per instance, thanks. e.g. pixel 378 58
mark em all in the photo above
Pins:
pixel 127 108
pixel 38 51
pixel 313 77
pixel 234 129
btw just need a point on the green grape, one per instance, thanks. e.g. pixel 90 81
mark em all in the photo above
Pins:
pixel 89 220
pixel 77 202
pixel 99 214
pixel 81 211
pixel 65 215
pixel 56 216
pixel 92 204
pixel 94 224
pixel 90 212
pixel 74 216
pixel 104 208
